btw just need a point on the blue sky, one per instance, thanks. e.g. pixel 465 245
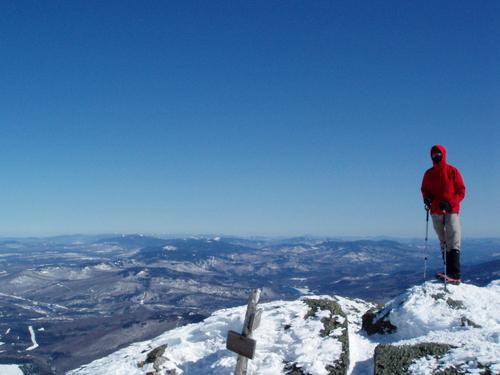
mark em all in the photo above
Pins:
pixel 244 117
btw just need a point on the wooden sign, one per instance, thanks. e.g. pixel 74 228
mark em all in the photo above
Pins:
pixel 240 344
pixel 243 344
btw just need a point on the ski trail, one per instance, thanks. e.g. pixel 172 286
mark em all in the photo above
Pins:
pixel 361 348
pixel 361 351
pixel 33 339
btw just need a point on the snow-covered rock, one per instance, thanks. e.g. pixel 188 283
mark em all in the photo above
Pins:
pixel 466 318
pixel 461 329
pixel 300 334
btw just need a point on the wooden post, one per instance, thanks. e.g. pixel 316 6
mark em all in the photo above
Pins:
pixel 243 344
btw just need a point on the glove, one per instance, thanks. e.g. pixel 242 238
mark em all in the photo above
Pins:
pixel 427 202
pixel 445 206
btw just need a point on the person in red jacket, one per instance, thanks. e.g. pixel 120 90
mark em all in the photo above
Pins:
pixel 443 189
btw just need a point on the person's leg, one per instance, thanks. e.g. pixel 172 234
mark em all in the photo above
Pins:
pixel 437 223
pixel 453 231
pixel 439 227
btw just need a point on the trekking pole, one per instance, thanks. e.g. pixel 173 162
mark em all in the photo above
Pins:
pixel 426 240
pixel 445 253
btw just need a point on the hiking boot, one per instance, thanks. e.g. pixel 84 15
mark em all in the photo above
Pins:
pixel 448 279
pixel 453 264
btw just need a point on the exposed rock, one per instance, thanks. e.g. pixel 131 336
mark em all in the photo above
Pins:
pixel 155 357
pixel 438 296
pixel 466 322
pixel 449 371
pixel 392 360
pixel 372 323
pixel 158 362
pixel 454 304
pixel 156 353
pixel 341 366
pixel 457 305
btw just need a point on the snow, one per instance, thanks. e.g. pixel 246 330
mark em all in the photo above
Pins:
pixel 33 339
pixel 10 370
pixel 360 347
pixel 357 257
pixel 426 314
pixel 104 267
pixel 188 267
pixel 423 313
pixel 475 346
pixel 303 291
pixel 354 278
pixel 284 336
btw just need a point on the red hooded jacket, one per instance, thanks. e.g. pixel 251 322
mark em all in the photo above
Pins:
pixel 443 182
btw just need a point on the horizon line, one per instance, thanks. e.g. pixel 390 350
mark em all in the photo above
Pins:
pixel 216 235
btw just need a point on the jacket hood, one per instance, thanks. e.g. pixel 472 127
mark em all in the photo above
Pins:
pixel 442 149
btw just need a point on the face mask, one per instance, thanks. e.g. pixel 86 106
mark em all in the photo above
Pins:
pixel 437 157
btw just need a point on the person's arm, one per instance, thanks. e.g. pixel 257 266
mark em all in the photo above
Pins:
pixel 459 187
pixel 426 194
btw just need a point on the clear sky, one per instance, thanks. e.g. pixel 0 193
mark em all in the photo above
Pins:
pixel 245 117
